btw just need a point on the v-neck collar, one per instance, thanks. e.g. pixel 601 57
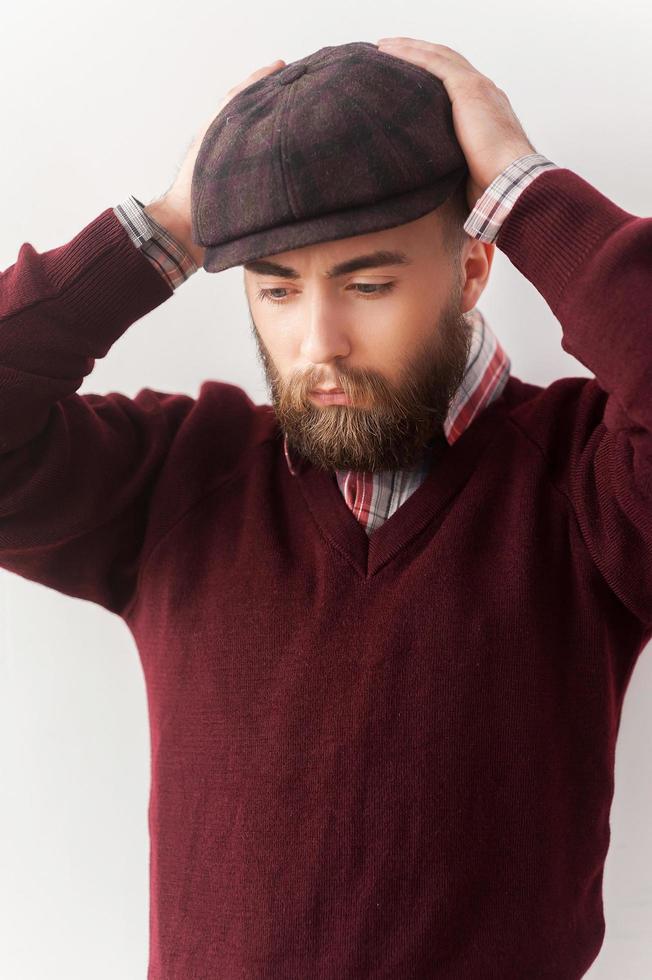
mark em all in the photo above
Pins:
pixel 450 467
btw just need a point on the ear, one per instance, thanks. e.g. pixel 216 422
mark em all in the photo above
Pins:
pixel 476 261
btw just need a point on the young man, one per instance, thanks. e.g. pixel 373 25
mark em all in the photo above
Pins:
pixel 386 635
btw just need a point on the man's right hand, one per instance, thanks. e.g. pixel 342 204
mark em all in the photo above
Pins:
pixel 173 209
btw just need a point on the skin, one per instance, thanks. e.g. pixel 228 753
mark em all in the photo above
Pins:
pixel 399 355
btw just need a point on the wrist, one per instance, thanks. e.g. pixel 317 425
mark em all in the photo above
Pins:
pixel 506 159
pixel 164 213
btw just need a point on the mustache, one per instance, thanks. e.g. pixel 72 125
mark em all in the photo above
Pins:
pixel 356 386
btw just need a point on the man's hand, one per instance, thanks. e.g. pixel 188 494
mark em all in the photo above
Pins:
pixel 173 209
pixel 486 127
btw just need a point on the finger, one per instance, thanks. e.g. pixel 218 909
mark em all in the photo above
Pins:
pixel 259 73
pixel 412 44
pixel 417 42
pixel 267 68
pixel 255 75
pixel 451 71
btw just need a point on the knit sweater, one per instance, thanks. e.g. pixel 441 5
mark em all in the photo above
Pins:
pixel 372 497
pixel 385 757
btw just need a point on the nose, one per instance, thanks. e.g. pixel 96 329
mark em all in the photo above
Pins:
pixel 326 337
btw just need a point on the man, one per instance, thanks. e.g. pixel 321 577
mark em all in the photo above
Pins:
pixel 386 636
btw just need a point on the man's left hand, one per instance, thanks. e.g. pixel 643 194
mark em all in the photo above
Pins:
pixel 486 127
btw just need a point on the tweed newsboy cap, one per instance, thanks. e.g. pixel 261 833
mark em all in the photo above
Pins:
pixel 345 141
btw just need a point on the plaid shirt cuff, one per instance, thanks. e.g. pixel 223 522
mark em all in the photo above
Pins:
pixel 499 198
pixel 162 250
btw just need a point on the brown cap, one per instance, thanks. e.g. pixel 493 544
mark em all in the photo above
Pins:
pixel 343 142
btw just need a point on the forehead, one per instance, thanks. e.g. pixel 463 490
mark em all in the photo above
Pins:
pixel 397 247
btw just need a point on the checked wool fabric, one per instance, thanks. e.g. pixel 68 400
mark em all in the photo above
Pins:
pixel 345 141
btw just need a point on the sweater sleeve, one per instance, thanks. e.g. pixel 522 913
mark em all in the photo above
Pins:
pixel 592 262
pixel 77 471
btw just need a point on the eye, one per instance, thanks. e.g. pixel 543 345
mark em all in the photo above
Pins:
pixel 378 289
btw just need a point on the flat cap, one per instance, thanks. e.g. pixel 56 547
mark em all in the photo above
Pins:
pixel 343 142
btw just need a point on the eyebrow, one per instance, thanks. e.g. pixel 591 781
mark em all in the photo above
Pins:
pixel 369 261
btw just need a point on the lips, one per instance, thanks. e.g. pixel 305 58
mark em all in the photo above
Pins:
pixel 331 398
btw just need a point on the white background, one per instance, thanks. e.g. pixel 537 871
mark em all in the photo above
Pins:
pixel 101 100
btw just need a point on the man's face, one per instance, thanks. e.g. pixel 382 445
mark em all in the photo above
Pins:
pixel 392 335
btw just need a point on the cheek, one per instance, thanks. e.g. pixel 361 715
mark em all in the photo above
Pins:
pixel 402 330
pixel 422 302
pixel 279 346
pixel 281 342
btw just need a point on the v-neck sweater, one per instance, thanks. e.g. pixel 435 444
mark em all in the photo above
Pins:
pixel 380 758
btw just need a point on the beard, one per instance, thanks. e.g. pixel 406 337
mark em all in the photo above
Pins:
pixel 402 419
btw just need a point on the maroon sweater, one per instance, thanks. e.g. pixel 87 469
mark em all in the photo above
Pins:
pixel 388 758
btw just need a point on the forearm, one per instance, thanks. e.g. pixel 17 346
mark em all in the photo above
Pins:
pixel 589 259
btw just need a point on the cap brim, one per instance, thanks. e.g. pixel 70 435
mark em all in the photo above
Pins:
pixel 341 224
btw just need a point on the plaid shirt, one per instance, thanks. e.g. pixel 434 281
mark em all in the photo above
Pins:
pixel 373 497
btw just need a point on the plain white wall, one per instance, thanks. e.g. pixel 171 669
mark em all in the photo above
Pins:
pixel 99 101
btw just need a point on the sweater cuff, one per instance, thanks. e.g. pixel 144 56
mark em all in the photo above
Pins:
pixel 493 206
pixel 103 281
